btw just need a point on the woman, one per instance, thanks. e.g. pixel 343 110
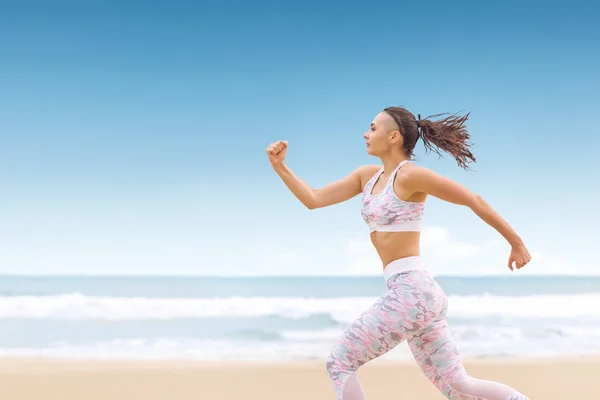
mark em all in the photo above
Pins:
pixel 393 199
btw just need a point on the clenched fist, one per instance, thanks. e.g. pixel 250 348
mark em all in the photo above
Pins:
pixel 519 256
pixel 276 151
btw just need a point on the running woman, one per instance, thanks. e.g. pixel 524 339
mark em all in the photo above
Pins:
pixel 393 200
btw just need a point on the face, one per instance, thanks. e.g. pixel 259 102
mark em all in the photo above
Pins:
pixel 383 135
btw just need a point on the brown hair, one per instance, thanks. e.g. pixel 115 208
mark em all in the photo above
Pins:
pixel 448 134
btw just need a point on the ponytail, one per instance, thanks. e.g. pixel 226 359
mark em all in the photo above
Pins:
pixel 448 134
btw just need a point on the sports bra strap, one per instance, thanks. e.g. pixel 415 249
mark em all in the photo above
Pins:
pixel 393 174
pixel 399 166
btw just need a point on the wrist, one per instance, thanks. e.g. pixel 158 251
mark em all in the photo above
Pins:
pixel 515 241
pixel 278 166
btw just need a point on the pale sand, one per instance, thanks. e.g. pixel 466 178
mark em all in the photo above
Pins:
pixel 39 379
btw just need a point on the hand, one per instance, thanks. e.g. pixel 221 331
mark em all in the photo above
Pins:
pixel 276 151
pixel 518 255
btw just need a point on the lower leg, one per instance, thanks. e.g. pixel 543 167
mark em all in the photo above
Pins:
pixel 352 389
pixel 485 390
pixel 438 355
pixel 345 381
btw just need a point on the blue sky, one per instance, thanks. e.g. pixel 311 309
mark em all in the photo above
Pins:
pixel 133 134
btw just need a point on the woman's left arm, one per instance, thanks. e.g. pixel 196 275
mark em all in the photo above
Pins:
pixel 420 179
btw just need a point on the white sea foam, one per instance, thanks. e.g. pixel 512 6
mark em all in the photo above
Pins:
pixel 77 306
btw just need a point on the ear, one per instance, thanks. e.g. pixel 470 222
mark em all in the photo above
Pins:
pixel 395 137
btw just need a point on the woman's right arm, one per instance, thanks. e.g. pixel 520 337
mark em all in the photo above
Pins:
pixel 330 194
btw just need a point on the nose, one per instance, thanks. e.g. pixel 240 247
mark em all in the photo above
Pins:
pixel 366 135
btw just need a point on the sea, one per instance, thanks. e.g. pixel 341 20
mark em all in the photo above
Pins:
pixel 280 318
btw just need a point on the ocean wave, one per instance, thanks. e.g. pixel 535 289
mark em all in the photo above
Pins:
pixel 338 310
pixel 302 347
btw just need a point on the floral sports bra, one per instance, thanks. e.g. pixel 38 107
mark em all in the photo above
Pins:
pixel 385 212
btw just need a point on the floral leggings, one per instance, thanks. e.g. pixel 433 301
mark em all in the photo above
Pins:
pixel 412 309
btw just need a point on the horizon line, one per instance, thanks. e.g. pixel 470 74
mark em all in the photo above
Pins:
pixel 158 275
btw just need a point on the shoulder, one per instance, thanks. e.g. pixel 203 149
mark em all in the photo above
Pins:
pixel 369 169
pixel 421 179
pixel 361 175
pixel 366 172
pixel 413 171
pixel 415 175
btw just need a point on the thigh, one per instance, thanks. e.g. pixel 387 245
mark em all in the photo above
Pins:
pixel 403 310
pixel 374 333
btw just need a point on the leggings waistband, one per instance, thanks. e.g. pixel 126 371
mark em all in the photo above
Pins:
pixel 413 263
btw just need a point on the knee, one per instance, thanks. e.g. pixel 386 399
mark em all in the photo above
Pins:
pixel 460 389
pixel 477 388
pixel 332 365
pixel 464 385
pixel 332 361
pixel 338 360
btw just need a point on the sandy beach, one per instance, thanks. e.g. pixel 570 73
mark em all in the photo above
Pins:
pixel 35 379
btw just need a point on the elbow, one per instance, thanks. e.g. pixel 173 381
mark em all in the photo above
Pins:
pixel 477 202
pixel 312 203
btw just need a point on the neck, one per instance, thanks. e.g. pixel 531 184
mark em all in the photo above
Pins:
pixel 391 161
